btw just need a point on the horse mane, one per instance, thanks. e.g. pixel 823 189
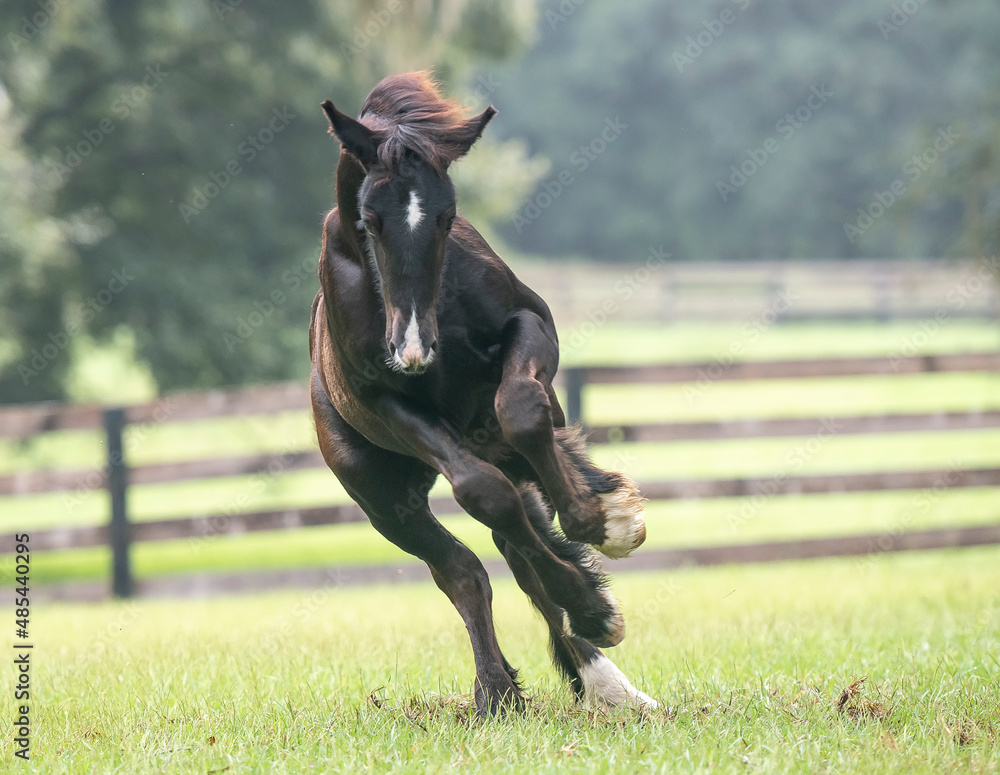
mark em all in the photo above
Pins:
pixel 408 112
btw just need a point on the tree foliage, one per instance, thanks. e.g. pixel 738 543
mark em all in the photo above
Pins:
pixel 728 150
pixel 165 169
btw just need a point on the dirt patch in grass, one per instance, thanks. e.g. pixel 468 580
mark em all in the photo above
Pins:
pixel 855 705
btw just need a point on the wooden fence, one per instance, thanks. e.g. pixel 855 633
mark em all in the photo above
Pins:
pixel 654 288
pixel 120 532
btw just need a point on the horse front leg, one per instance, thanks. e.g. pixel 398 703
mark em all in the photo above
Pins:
pixel 491 498
pixel 594 506
pixel 392 490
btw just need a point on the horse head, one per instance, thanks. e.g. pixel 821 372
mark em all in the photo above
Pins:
pixel 405 138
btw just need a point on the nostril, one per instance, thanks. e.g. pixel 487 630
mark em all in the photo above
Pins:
pixel 392 349
pixel 432 347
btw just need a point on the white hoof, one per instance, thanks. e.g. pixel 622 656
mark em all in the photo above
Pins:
pixel 605 687
pixel 625 524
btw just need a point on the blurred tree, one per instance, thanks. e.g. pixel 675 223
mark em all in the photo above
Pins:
pixel 748 129
pixel 165 168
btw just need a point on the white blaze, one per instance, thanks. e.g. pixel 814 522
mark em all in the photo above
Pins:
pixel 412 349
pixel 414 215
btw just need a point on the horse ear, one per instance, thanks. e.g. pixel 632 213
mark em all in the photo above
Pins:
pixel 466 134
pixel 357 139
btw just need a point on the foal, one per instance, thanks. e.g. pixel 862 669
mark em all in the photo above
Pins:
pixel 430 357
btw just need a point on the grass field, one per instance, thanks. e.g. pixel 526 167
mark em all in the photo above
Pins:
pixel 750 664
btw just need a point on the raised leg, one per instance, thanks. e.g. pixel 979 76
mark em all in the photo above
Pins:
pixel 596 507
pixel 488 495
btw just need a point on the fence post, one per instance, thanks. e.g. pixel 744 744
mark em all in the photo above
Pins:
pixel 575 379
pixel 118 529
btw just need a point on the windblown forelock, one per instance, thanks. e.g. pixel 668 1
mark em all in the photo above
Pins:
pixel 409 113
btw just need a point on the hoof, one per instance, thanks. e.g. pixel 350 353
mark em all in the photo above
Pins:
pixel 625 524
pixel 604 628
pixel 606 687
pixel 498 699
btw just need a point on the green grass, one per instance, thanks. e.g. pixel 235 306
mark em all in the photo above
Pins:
pixel 748 662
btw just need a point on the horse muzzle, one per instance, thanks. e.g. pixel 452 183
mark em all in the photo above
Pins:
pixel 412 342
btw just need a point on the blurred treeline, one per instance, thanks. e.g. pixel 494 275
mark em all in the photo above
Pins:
pixel 702 86
pixel 164 166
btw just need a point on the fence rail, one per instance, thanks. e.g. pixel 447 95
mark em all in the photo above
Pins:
pixel 776 291
pixel 117 476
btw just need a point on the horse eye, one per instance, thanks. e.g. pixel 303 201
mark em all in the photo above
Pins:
pixel 450 223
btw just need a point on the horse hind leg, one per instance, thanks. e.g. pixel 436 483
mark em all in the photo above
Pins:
pixel 620 501
pixel 596 681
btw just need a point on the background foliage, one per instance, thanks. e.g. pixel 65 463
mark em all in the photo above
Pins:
pixel 164 166
pixel 180 145
pixel 701 84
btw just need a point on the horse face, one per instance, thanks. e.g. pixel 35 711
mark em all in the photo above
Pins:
pixel 407 208
pixel 406 218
